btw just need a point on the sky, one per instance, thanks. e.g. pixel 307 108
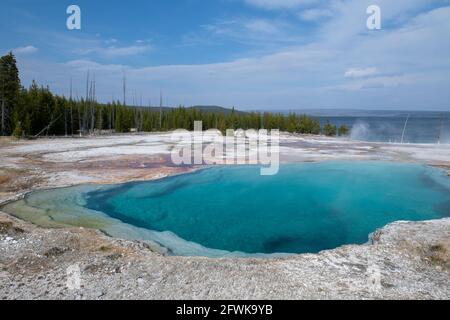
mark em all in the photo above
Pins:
pixel 251 54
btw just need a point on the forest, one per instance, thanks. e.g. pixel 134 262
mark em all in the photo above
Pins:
pixel 36 112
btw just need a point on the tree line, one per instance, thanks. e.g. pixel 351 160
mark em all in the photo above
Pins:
pixel 35 111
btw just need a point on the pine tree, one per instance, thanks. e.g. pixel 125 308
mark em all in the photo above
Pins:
pixel 329 129
pixel 36 110
pixel 9 92
pixel 18 130
pixel 343 130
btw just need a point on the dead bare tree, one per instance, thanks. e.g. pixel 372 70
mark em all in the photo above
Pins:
pixel 100 116
pixel 65 120
pixel 71 108
pixel 404 128
pixel 3 115
pixel 92 105
pixel 124 89
pixel 80 129
pixel 111 114
pixel 83 118
pixel 160 109
pixel 47 128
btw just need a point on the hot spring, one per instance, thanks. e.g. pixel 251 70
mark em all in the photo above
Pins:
pixel 222 211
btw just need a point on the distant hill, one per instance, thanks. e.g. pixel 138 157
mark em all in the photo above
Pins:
pixel 206 109
pixel 215 109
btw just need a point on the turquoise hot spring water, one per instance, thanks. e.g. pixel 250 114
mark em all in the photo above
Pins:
pixel 220 211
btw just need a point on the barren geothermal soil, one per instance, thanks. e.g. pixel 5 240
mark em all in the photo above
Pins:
pixel 403 260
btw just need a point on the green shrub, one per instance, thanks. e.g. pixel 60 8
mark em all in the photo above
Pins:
pixel 329 130
pixel 343 131
pixel 18 132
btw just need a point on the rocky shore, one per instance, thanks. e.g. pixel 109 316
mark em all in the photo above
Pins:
pixel 403 260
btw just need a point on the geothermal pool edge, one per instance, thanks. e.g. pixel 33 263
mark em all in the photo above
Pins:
pixel 73 209
pixel 405 260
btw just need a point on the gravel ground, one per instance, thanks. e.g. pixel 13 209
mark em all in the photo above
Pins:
pixel 404 261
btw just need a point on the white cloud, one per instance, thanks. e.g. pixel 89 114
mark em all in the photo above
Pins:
pixel 25 50
pixel 343 65
pixel 115 52
pixel 279 4
pixel 86 44
pixel 315 14
pixel 378 82
pixel 361 72
pixel 260 25
pixel 257 31
pixel 125 51
pixel 111 41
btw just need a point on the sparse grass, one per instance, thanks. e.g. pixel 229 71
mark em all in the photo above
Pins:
pixel 438 248
pixel 438 255
pixel 105 248
pixel 7 227
pixel 55 252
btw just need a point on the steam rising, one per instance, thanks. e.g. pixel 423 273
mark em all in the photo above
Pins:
pixel 360 131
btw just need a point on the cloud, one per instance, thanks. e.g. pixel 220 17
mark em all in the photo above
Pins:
pixel 143 41
pixel 84 65
pixel 343 64
pixel 361 72
pixel 247 31
pixel 85 44
pixel 379 82
pixel 111 41
pixel 315 14
pixel 279 4
pixel 25 50
pixel 260 25
pixel 115 52
pixel 125 51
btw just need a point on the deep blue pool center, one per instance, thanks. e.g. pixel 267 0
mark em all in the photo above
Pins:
pixel 306 208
